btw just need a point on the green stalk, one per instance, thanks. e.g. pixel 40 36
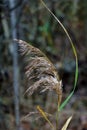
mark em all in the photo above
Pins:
pixel 57 115
pixel 75 54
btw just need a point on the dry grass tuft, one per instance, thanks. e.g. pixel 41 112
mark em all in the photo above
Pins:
pixel 40 72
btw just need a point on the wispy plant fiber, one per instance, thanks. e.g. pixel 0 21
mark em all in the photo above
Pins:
pixel 39 71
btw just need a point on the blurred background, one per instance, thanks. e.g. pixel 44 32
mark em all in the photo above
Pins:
pixel 28 20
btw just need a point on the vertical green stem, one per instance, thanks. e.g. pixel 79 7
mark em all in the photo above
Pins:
pixel 57 114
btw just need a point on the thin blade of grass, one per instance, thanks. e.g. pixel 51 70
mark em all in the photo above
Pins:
pixel 44 115
pixel 67 123
pixel 75 54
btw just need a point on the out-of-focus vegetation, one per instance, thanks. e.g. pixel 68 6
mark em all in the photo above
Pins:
pixel 36 26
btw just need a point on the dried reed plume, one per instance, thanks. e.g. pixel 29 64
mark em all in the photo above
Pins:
pixel 40 72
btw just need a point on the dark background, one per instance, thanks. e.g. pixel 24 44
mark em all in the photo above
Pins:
pixel 35 25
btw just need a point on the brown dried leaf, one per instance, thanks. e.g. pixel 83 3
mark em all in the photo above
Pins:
pixel 67 123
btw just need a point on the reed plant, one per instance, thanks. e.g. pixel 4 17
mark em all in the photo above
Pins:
pixel 42 75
